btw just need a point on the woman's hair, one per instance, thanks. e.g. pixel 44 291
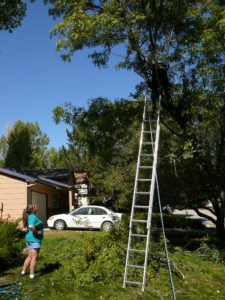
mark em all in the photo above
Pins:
pixel 26 212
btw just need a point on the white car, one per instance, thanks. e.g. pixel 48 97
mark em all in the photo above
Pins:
pixel 85 217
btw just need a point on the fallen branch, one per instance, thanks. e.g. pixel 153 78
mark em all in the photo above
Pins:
pixel 176 268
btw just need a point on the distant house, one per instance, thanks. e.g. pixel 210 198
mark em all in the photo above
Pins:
pixel 53 190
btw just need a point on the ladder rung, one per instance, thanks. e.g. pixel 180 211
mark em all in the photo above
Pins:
pixel 142 193
pixel 146 131
pixel 135 266
pixel 133 282
pixel 148 143
pixel 144 179
pixel 137 250
pixel 141 206
pixel 145 167
pixel 138 235
pixel 147 155
pixel 140 221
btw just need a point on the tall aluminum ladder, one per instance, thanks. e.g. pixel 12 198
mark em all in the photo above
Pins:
pixel 143 199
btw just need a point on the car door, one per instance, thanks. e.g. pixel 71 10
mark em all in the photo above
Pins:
pixel 80 218
pixel 97 217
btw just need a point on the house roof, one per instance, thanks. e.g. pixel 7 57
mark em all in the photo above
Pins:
pixel 16 174
pixel 54 174
pixel 59 174
pixel 32 178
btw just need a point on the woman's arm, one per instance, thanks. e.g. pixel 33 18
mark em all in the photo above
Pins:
pixel 33 228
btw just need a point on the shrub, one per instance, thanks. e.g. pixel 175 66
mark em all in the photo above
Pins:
pixel 170 221
pixel 100 257
pixel 173 221
pixel 11 243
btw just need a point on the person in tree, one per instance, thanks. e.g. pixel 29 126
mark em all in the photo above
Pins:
pixel 160 82
pixel 34 236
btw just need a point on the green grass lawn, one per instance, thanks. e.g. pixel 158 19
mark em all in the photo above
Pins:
pixel 199 275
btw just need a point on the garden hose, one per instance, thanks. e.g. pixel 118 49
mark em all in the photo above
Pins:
pixel 14 289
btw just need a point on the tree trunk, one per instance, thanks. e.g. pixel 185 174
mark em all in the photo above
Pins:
pixel 220 229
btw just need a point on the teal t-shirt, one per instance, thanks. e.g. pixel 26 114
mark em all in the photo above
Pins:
pixel 34 237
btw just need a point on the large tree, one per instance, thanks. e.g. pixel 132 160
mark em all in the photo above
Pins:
pixel 190 34
pixel 61 158
pixel 3 149
pixel 104 141
pixel 26 146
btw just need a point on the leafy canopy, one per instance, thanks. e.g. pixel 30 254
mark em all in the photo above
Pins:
pixel 26 145
pixel 191 36
pixel 103 138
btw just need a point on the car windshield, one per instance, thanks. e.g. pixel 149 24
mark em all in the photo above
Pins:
pixel 81 211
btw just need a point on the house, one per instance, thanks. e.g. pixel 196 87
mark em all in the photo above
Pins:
pixel 52 190
pixel 73 177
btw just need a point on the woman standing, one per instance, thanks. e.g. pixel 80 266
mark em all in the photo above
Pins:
pixel 33 238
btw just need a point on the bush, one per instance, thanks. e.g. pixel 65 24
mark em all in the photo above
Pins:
pixel 170 221
pixel 173 221
pixel 11 243
pixel 87 259
pixel 101 257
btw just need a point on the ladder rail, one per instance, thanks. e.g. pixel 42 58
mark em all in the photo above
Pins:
pixel 153 183
pixel 152 190
pixel 134 192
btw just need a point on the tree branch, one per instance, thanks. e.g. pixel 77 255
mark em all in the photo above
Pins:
pixel 169 42
pixel 205 216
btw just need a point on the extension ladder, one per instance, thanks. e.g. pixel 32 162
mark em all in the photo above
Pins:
pixel 143 195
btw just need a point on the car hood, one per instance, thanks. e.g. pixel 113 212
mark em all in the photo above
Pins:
pixel 59 216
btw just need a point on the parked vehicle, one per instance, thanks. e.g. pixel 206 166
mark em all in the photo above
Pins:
pixel 85 217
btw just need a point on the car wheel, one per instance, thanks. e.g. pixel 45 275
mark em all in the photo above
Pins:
pixel 59 225
pixel 107 226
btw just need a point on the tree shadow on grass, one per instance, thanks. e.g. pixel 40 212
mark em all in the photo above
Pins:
pixel 49 268
pixel 6 265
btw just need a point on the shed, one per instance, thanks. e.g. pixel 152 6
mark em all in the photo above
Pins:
pixel 17 190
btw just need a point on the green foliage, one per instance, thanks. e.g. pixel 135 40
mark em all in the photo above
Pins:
pixel 191 35
pixel 211 252
pixel 94 258
pixel 39 142
pixel 11 243
pixel 3 147
pixel 99 260
pixel 172 221
pixel 98 257
pixel 11 14
pixel 26 146
pixel 203 277
pixel 104 140
pixel 19 149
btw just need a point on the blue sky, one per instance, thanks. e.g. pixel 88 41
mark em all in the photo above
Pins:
pixel 34 79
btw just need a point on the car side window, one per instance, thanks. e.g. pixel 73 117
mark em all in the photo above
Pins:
pixel 98 211
pixel 81 211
